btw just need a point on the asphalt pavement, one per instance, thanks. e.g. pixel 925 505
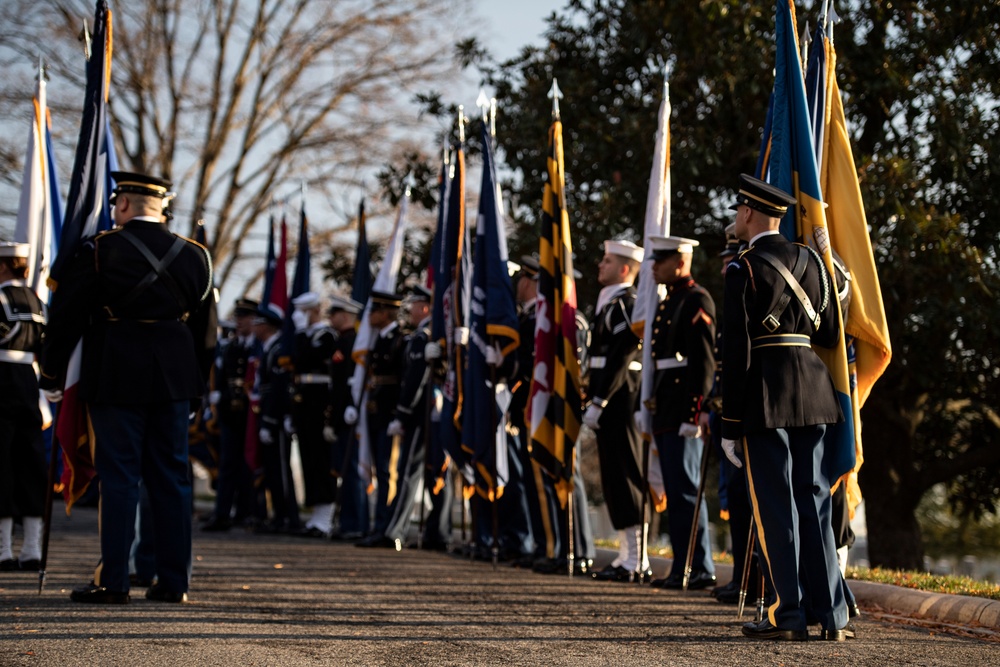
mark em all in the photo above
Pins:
pixel 283 600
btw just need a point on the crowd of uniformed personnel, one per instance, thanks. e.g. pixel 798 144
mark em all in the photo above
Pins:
pixel 139 297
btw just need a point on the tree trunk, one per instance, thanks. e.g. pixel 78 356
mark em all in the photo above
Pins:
pixel 888 484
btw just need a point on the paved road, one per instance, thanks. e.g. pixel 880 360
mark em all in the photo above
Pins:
pixel 260 600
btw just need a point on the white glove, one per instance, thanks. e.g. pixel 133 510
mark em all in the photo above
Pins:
pixel 493 356
pixel 53 395
pixel 688 430
pixel 432 351
pixel 329 434
pixel 213 397
pixel 300 319
pixel 639 423
pixel 288 425
pixel 350 415
pixel 462 335
pixel 729 448
pixel 265 437
pixel 592 417
pixel 395 428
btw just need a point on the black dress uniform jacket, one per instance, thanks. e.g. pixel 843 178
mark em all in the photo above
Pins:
pixel 782 383
pixel 689 311
pixel 231 379
pixel 341 371
pixel 141 344
pixel 411 408
pixel 22 322
pixel 614 377
pixel 385 368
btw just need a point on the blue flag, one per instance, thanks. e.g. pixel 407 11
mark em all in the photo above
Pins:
pixel 493 323
pixel 269 265
pixel 794 169
pixel 361 286
pixel 87 209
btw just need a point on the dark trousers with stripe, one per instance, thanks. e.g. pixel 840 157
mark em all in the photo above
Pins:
pixel 147 442
pixel 792 506
pixel 680 462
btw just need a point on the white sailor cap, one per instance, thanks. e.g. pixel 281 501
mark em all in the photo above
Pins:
pixel 625 249
pixel 10 249
pixel 344 304
pixel 306 300
pixel 665 246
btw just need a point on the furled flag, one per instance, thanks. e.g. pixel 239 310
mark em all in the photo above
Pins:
pixel 300 282
pixel 269 263
pixel 361 285
pixel 792 167
pixel 492 323
pixel 87 212
pixel 451 304
pixel 385 282
pixel 554 400
pixel 649 293
pixel 39 214
pixel 869 348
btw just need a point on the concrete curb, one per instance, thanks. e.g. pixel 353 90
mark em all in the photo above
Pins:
pixel 939 607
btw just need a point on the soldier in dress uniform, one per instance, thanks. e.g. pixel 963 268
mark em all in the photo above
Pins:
pixel 141 298
pixel 778 399
pixel 385 368
pixel 315 343
pixel 613 387
pixel 411 419
pixel 683 351
pixel 352 495
pixel 273 383
pixel 22 450
pixel 235 482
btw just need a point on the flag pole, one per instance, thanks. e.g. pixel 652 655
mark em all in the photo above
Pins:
pixel 745 579
pixel 693 535
pixel 54 449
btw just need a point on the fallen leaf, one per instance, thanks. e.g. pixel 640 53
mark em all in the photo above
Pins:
pixel 278 566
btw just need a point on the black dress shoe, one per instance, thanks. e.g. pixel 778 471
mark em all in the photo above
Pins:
pixel 699 580
pixel 377 541
pixel 98 595
pixel 9 565
pixel 524 561
pixel 138 582
pixel 337 536
pixel 671 581
pixel 853 611
pixel 727 589
pixel 312 532
pixel 842 635
pixel 33 565
pixel 216 526
pixel 612 573
pixel 551 566
pixel 764 630
pixel 159 593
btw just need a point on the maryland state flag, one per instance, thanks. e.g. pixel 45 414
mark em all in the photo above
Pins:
pixel 492 323
pixel 87 213
pixel 868 346
pixel 554 400
pixel 792 166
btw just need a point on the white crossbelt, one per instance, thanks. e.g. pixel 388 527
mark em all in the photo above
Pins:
pixel 17 357
pixel 672 362
pixel 601 362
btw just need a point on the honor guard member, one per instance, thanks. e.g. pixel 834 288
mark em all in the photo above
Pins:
pixel 683 351
pixel 613 387
pixel 778 400
pixel 550 520
pixel 140 297
pixel 411 418
pixel 312 356
pixel 733 494
pixel 352 495
pixel 22 451
pixel 384 371
pixel 273 384
pixel 235 482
